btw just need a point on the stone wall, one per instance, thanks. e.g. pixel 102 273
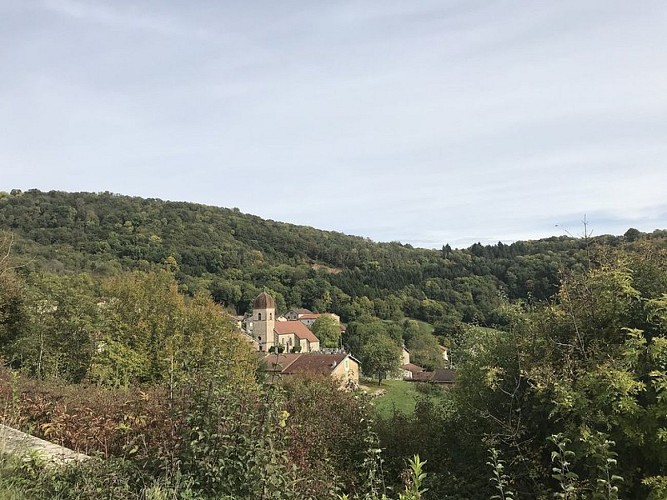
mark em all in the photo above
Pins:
pixel 19 443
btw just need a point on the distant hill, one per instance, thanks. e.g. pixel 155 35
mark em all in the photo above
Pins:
pixel 235 255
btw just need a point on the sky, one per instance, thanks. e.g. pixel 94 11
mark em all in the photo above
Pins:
pixel 425 122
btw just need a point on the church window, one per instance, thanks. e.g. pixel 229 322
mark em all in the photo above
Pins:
pixel 270 315
pixel 259 316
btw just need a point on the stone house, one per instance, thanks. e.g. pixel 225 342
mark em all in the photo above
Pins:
pixel 409 370
pixel 341 366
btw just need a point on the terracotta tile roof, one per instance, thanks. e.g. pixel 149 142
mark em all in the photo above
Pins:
pixel 315 364
pixel 295 327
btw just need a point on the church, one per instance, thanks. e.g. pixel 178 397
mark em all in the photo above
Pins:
pixel 269 331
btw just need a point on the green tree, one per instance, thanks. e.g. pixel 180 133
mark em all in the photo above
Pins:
pixel 327 330
pixel 425 351
pixel 150 330
pixel 13 314
pixel 58 338
pixel 381 357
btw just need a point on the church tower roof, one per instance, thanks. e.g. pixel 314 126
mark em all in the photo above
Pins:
pixel 264 301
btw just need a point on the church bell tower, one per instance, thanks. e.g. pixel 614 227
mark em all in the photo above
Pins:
pixel 264 320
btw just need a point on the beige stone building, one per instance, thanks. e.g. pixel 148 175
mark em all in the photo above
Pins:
pixel 405 356
pixel 341 366
pixel 268 332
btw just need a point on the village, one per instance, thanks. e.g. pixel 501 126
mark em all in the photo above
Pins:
pixel 289 347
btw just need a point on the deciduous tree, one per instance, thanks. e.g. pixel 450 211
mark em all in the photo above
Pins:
pixel 327 330
pixel 380 357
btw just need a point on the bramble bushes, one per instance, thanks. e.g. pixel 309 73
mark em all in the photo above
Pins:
pixel 128 423
pixel 207 434
pixel 328 429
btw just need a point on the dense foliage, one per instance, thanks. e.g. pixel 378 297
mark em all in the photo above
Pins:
pixel 234 256
pixel 157 383
pixel 209 435
pixel 569 400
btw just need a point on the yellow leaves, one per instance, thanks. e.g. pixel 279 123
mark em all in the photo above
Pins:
pixel 493 376
pixel 282 418
pixel 123 427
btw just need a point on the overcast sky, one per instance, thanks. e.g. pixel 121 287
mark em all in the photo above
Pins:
pixel 426 122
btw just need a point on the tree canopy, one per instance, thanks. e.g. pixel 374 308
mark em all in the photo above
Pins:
pixel 380 357
pixel 327 329
pixel 233 256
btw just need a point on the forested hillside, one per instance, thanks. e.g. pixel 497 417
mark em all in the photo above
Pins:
pixel 235 255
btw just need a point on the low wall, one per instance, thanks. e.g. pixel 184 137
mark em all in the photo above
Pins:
pixel 19 443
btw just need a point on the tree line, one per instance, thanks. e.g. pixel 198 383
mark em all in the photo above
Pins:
pixel 233 256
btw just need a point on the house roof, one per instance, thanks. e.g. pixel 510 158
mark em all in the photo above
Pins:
pixel 310 316
pixel 301 310
pixel 279 362
pixel 313 364
pixel 444 376
pixel 422 376
pixel 412 368
pixel 295 327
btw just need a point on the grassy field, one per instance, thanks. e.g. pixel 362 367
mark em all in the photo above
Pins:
pixel 400 395
pixel 423 326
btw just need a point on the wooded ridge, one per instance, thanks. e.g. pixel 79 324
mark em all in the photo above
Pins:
pixel 234 256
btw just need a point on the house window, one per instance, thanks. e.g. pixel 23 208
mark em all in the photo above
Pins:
pixel 259 316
